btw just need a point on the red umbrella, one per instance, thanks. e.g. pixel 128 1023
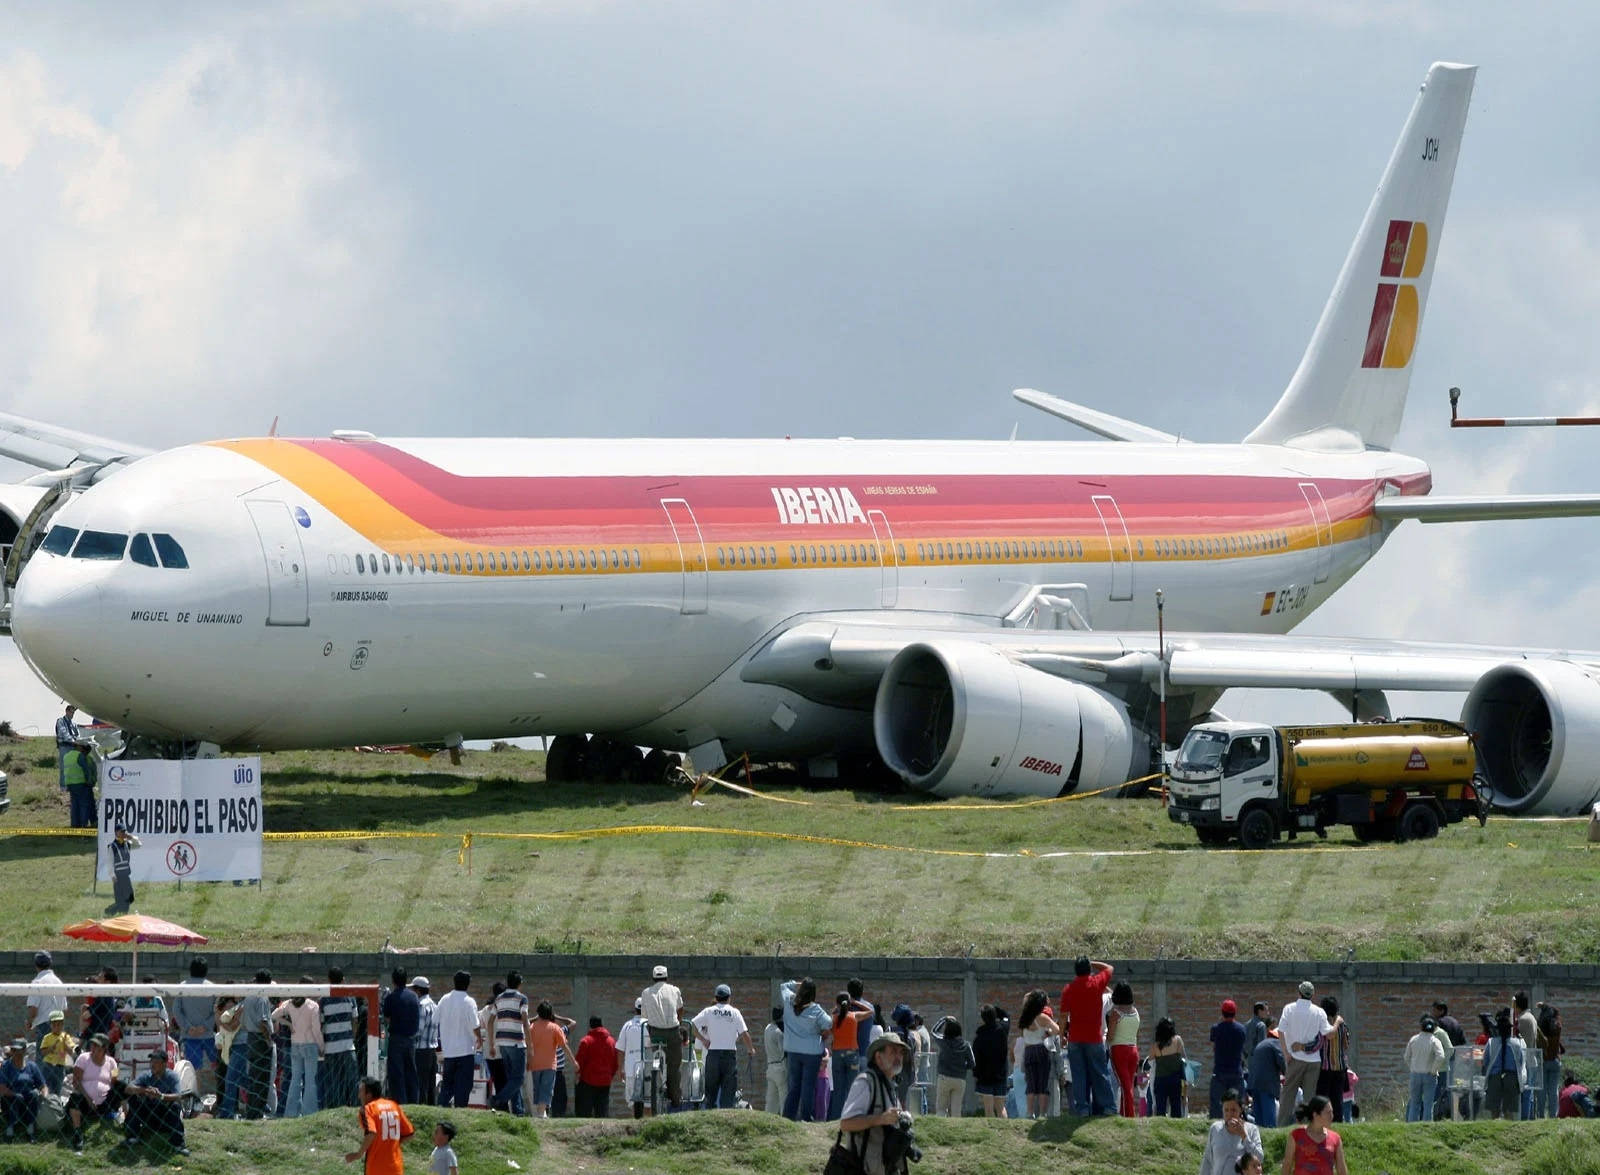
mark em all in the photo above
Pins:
pixel 135 929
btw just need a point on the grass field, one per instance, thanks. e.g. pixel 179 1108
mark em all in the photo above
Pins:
pixel 738 1142
pixel 1126 882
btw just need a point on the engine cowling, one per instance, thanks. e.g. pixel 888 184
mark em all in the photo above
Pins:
pixel 1537 729
pixel 957 718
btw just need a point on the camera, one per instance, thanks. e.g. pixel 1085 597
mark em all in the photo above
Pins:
pixel 901 1143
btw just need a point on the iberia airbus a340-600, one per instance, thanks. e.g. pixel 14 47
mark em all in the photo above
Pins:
pixel 977 615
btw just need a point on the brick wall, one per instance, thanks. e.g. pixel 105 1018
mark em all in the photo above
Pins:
pixel 1381 1001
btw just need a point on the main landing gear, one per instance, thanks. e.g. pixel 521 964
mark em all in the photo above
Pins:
pixel 574 758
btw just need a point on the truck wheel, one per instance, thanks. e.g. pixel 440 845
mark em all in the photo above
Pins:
pixel 1419 822
pixel 1257 829
pixel 1366 832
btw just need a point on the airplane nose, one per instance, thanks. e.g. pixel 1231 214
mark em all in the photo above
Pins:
pixel 55 621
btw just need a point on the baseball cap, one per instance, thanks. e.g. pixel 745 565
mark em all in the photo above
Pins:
pixel 723 991
pixel 659 972
pixel 420 981
pixel 41 959
pixel 19 1045
pixel 1229 1008
pixel 158 1054
pixel 1307 988
pixel 638 1004
pixel 58 1014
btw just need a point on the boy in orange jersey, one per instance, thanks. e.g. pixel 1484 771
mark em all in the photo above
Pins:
pixel 384 1127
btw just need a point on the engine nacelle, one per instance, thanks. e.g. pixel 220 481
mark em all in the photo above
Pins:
pixel 957 718
pixel 1537 729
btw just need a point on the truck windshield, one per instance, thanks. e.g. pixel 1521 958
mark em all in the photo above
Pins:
pixel 1202 751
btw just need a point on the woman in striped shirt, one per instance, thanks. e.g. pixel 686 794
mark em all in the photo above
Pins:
pixel 1333 1080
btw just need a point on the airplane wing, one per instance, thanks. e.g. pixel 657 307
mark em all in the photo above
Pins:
pixel 48 446
pixel 941 688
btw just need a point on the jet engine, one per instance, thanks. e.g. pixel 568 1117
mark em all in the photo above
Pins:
pixel 1537 728
pixel 958 718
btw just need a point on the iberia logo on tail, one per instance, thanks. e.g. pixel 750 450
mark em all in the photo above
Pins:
pixel 1396 308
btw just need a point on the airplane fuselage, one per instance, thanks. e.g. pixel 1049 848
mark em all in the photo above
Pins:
pixel 342 591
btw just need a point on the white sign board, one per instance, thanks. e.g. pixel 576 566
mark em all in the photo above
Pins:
pixel 196 819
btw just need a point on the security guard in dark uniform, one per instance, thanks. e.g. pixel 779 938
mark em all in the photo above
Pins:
pixel 122 871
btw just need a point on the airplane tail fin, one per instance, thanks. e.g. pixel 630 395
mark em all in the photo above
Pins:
pixel 1350 387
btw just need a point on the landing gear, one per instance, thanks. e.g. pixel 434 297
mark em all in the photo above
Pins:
pixel 567 759
pixel 659 765
pixel 613 761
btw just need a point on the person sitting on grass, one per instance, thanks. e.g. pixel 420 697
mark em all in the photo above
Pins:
pixel 97 1090
pixel 1575 1101
pixel 21 1084
pixel 153 1110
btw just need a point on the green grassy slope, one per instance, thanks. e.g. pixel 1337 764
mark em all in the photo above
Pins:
pixel 730 1143
pixel 1128 883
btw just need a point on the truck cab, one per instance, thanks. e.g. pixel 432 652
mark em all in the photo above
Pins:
pixel 1220 768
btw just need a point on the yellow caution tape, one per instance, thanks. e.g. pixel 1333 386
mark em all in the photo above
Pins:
pixel 1008 807
pixel 49 831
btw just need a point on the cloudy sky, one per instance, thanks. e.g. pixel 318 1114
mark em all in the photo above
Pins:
pixel 574 217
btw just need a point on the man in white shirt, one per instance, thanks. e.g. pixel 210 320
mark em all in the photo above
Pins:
pixel 631 1044
pixel 662 1006
pixel 460 1036
pixel 1300 1031
pixel 720 1028
pixel 40 1005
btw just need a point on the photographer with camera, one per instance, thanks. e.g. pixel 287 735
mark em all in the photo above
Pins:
pixel 881 1141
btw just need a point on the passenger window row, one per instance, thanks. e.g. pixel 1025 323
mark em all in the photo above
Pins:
pixel 1002 550
pixel 109 546
pixel 474 562
pixel 1231 544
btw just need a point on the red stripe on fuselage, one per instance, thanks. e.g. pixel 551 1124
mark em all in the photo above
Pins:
pixel 999 505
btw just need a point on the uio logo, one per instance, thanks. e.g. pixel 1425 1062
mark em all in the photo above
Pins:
pixel 1396 309
pixel 243 775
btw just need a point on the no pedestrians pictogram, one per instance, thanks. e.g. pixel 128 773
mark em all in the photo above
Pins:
pixel 181 858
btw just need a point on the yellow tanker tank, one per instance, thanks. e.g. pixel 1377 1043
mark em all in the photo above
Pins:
pixel 1376 755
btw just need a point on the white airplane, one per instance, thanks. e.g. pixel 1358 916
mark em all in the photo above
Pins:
pixel 978 615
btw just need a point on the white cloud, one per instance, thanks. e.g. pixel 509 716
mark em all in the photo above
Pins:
pixel 208 241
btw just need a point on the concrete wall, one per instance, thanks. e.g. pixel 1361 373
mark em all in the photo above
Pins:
pixel 1381 1001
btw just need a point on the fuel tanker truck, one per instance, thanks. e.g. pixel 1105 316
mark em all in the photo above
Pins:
pixel 1386 780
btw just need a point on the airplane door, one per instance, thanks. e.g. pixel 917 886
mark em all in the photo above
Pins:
pixel 287 601
pixel 888 559
pixel 691 554
pixel 1324 528
pixel 1121 550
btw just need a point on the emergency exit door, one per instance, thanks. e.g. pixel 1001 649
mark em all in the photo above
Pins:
pixel 691 554
pixel 1121 550
pixel 287 599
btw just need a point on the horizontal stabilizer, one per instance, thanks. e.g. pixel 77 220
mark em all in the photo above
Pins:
pixel 1487 509
pixel 1100 423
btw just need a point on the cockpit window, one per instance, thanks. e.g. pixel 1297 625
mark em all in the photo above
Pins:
pixel 171 553
pixel 100 544
pixel 60 539
pixel 141 551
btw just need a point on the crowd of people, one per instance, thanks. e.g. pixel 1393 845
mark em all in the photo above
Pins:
pixel 853 1061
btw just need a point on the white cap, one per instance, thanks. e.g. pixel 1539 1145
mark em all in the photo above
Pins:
pixel 660 971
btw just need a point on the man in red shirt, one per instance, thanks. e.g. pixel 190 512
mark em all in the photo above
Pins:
pixel 597 1065
pixel 1083 1002
pixel 384 1126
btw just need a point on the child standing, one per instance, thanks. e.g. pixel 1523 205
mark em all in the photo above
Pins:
pixel 56 1051
pixel 443 1159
